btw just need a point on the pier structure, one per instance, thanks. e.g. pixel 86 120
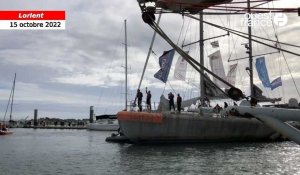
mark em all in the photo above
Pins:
pixel 91 114
pixel 35 121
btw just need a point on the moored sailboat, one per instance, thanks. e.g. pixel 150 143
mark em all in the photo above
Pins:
pixel 4 128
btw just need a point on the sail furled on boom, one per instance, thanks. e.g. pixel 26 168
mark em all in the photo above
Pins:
pixel 216 63
pixel 165 62
pixel 180 68
pixel 264 76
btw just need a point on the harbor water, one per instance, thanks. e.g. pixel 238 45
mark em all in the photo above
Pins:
pixel 76 152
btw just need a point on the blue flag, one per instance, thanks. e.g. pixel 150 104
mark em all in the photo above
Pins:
pixel 262 71
pixel 276 83
pixel 165 62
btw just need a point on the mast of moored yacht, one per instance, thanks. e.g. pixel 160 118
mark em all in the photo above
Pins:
pixel 125 64
pixel 12 99
pixel 11 96
pixel 250 48
pixel 201 45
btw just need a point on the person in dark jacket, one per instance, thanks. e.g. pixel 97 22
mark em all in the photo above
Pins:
pixel 171 101
pixel 225 105
pixel 148 99
pixel 139 97
pixel 179 100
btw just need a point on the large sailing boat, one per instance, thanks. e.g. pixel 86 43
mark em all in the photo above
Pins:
pixel 247 123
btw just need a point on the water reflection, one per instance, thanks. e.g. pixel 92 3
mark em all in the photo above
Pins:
pixel 220 158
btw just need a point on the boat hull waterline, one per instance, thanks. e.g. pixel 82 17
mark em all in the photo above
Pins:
pixel 166 127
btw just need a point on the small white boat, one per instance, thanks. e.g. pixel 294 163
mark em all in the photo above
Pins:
pixel 5 132
pixel 104 125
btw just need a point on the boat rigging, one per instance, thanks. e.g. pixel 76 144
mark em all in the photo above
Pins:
pixel 4 129
pixel 163 126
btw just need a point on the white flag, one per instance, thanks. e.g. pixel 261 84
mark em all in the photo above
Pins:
pixel 232 73
pixel 217 67
pixel 180 68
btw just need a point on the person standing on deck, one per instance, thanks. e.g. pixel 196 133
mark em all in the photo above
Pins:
pixel 139 96
pixel 179 100
pixel 171 101
pixel 225 105
pixel 148 99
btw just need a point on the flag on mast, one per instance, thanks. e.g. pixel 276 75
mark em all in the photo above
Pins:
pixel 210 90
pixel 263 74
pixel 262 71
pixel 232 74
pixel 276 83
pixel 165 62
pixel 217 67
pixel 180 68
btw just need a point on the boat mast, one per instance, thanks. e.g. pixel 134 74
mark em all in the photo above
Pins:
pixel 125 65
pixel 201 45
pixel 250 48
pixel 149 52
pixel 12 98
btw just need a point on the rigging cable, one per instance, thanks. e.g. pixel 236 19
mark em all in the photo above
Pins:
pixel 235 93
pixel 10 96
pixel 275 64
pixel 107 78
pixel 284 57
pixel 180 33
pixel 281 71
pixel 189 25
pixel 181 29
pixel 237 33
pixel 149 52
pixel 189 49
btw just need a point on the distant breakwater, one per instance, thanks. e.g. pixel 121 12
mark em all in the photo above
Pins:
pixel 51 123
pixel 56 127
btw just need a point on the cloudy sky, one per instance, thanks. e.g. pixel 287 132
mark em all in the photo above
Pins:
pixel 63 73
